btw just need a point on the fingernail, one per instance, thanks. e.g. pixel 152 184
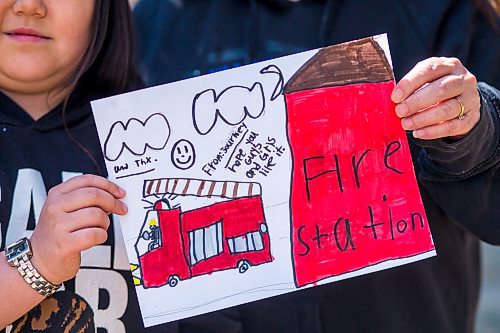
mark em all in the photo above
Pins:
pixel 124 207
pixel 397 95
pixel 122 192
pixel 417 134
pixel 406 124
pixel 401 110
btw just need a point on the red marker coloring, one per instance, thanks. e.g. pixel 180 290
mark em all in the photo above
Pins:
pixel 354 199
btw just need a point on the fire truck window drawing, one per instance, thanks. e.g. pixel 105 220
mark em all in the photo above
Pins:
pixel 251 241
pixel 228 233
pixel 205 243
pixel 152 235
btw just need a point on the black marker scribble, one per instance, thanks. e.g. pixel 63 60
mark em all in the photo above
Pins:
pixel 280 85
pixel 232 105
pixel 137 136
pixel 135 174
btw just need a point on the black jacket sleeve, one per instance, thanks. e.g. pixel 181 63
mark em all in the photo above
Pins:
pixel 464 176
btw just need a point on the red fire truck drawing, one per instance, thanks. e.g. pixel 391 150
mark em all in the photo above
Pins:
pixel 176 245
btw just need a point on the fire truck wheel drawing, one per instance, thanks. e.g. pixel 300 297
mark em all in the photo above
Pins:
pixel 243 266
pixel 173 281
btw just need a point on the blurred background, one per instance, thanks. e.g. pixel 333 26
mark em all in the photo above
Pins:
pixel 488 320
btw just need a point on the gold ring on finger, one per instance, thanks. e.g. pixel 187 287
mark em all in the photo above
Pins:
pixel 461 115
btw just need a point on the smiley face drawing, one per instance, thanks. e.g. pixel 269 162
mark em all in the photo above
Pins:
pixel 183 154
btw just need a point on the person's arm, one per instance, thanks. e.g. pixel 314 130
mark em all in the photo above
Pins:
pixel 459 160
pixel 73 218
pixel 476 152
pixel 471 197
pixel 17 296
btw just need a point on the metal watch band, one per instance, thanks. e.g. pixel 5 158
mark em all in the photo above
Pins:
pixel 33 278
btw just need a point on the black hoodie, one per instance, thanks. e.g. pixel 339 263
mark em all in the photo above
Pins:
pixel 34 157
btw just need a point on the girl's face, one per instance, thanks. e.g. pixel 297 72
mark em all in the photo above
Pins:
pixel 42 43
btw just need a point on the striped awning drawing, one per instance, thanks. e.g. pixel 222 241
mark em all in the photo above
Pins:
pixel 200 188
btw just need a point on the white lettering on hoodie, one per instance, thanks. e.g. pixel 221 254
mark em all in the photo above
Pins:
pixel 97 274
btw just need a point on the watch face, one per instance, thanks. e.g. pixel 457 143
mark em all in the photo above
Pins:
pixel 18 249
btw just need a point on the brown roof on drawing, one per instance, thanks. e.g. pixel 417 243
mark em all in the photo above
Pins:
pixel 358 61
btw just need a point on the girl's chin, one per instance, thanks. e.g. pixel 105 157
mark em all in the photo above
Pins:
pixel 30 80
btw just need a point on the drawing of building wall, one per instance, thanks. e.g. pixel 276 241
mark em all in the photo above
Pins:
pixel 351 180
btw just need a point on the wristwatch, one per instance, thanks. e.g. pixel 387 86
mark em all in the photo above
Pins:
pixel 18 255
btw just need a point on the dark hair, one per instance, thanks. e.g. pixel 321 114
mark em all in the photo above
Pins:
pixel 491 10
pixel 496 6
pixel 107 67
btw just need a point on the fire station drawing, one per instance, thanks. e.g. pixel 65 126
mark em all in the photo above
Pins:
pixel 340 154
pixel 176 245
pixel 264 179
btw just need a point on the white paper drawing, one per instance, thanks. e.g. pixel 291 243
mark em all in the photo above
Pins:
pixel 262 180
